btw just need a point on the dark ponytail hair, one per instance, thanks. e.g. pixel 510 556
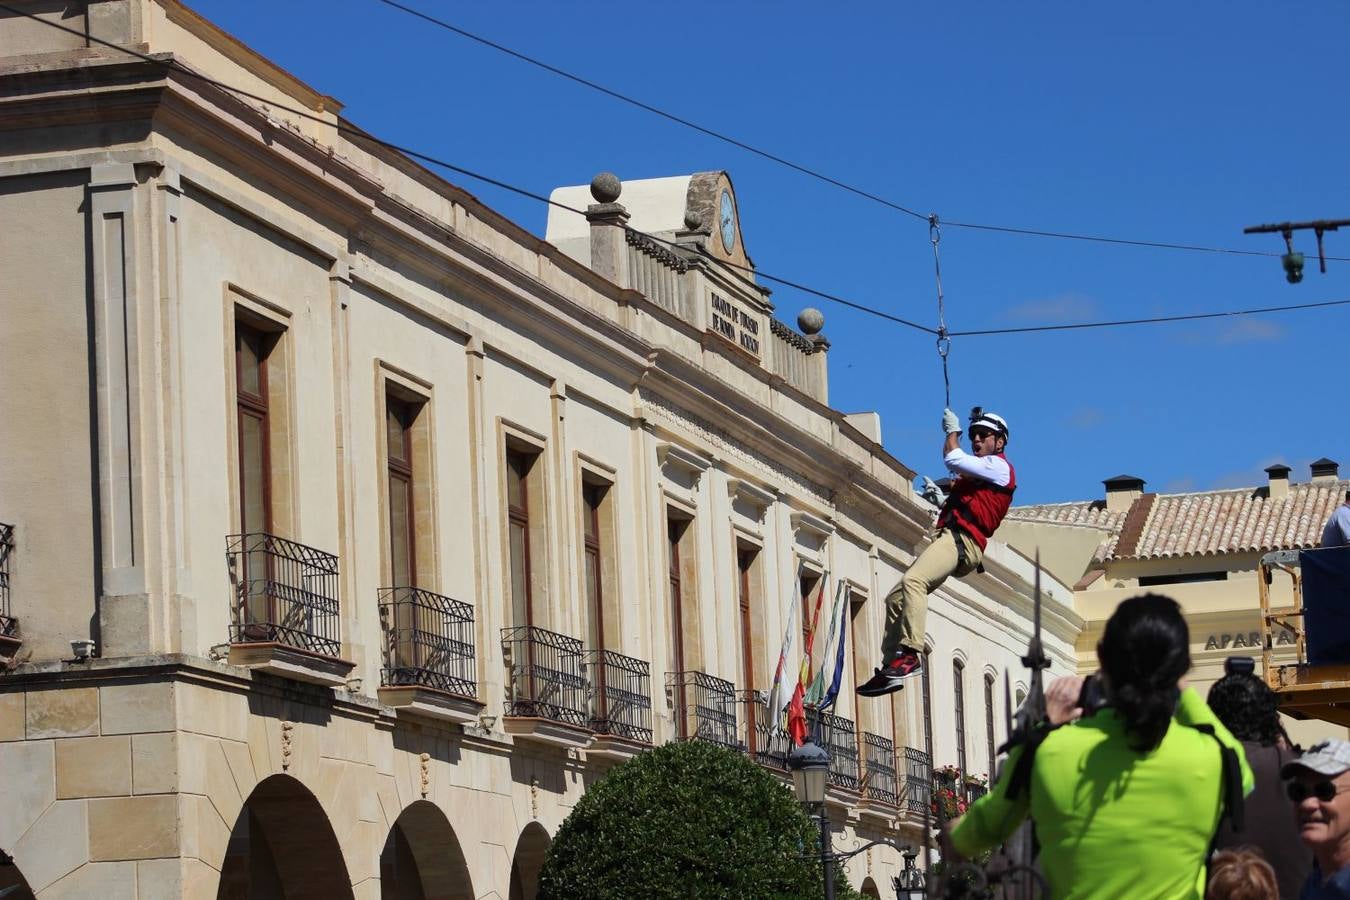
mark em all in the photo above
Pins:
pixel 1145 650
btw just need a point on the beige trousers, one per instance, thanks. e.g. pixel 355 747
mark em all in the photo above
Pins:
pixel 907 603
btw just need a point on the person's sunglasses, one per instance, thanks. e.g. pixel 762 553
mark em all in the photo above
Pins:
pixel 980 435
pixel 1298 791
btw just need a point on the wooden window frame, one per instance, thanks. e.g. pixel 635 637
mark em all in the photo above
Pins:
pixel 989 722
pixel 518 516
pixel 405 471
pixel 959 708
pixel 746 557
pixel 676 527
pixel 925 675
pixel 256 406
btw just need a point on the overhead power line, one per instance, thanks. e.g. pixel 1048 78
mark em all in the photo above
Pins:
pixel 361 134
pixel 633 101
pixel 1190 317
pixel 797 167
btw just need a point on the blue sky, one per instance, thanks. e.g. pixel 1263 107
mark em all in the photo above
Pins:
pixel 1158 121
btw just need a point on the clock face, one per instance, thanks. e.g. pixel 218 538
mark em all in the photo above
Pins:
pixel 727 221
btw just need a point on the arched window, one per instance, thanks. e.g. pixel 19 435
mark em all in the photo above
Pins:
pixel 959 694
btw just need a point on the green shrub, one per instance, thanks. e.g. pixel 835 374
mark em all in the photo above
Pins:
pixel 687 820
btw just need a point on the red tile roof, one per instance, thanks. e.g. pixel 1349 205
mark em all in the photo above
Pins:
pixel 1245 520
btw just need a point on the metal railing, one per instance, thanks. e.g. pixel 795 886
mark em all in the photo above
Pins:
pixel 428 641
pixel 9 626
pixel 918 781
pixel 621 695
pixel 974 792
pixel 840 738
pixel 284 593
pixel 705 708
pixel 880 768
pixel 766 746
pixel 545 679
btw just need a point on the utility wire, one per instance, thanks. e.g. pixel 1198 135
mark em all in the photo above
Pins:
pixel 1158 319
pixel 363 135
pixel 633 101
pixel 175 66
pixel 812 173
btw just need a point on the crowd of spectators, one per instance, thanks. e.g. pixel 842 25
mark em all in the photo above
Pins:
pixel 1140 788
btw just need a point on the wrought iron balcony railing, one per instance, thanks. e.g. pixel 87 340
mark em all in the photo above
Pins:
pixel 766 746
pixel 918 781
pixel 879 762
pixel 546 680
pixel 621 695
pixel 9 626
pixel 974 791
pixel 284 593
pixel 705 708
pixel 840 738
pixel 428 641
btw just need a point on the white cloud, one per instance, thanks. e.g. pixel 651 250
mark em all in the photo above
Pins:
pixel 1247 329
pixel 1067 307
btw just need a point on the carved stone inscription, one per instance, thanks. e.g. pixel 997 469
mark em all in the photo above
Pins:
pixel 733 323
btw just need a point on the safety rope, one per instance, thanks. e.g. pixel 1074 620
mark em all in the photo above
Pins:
pixel 944 341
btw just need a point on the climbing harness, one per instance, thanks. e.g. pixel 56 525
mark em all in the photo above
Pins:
pixel 944 342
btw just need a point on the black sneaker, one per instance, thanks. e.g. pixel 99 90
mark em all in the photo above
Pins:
pixel 891 677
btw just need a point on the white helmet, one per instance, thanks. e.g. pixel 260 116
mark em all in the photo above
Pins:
pixel 993 422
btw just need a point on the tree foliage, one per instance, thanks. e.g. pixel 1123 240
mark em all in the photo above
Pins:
pixel 687 820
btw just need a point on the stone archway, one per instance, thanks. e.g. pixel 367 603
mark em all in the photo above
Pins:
pixel 869 888
pixel 531 848
pixel 283 847
pixel 13 886
pixel 422 859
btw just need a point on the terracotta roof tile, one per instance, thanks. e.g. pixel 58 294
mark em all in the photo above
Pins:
pixel 1206 523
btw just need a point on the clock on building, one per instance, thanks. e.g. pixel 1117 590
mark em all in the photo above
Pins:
pixel 727 220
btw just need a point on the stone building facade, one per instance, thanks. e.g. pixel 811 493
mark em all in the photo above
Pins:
pixel 352 530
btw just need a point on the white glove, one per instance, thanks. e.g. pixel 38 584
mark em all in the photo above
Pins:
pixel 932 493
pixel 950 423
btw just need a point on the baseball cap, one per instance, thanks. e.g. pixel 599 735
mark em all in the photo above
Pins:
pixel 1325 758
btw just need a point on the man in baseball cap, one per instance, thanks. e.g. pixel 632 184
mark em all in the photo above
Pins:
pixel 1318 783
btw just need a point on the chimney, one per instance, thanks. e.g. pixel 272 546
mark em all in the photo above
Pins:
pixel 1279 481
pixel 1324 470
pixel 1122 491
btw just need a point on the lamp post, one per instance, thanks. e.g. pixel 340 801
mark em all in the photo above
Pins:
pixel 909 884
pixel 810 766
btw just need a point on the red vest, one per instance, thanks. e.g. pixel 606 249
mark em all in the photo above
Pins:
pixel 978 506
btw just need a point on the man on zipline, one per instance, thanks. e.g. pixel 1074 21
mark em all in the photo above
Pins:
pixel 981 492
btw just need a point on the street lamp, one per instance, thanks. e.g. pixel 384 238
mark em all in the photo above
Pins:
pixel 810 766
pixel 909 884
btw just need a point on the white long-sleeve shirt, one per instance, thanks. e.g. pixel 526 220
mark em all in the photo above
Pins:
pixel 993 469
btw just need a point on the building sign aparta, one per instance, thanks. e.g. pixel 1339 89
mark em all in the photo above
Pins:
pixel 734 323
pixel 1250 640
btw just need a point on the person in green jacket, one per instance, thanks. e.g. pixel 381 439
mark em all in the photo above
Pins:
pixel 1126 799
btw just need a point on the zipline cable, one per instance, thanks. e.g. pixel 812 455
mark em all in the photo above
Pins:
pixel 804 170
pixel 944 341
pixel 361 134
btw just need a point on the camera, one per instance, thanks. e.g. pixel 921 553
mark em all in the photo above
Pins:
pixel 1091 697
pixel 1239 665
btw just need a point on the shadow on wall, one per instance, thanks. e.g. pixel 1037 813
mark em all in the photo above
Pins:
pixel 283 846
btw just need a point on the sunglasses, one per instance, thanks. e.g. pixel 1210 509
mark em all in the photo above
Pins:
pixel 1322 790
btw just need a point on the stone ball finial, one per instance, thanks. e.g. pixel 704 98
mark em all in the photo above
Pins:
pixel 810 320
pixel 606 187
pixel 693 219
